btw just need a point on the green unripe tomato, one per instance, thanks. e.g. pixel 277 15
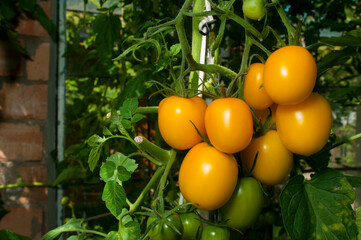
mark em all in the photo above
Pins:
pixel 254 9
pixel 211 232
pixel 163 231
pixel 192 225
pixel 245 205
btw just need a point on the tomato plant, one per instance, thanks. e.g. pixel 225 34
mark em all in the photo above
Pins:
pixel 207 177
pixel 304 128
pixel 175 117
pixel 273 162
pixel 289 75
pixel 254 9
pixel 253 92
pixel 212 232
pixel 192 225
pixel 263 114
pixel 245 205
pixel 229 124
pixel 164 229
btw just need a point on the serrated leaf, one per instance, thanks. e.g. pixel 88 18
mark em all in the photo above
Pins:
pixel 10 235
pixel 72 172
pixel 129 107
pixel 137 117
pixel 114 197
pixel 130 231
pixel 123 174
pixel 319 208
pixel 73 225
pixel 106 131
pixel 358 222
pixel 94 156
pixel 107 171
pixel 95 140
pixel 126 123
pixel 113 235
pixel 121 160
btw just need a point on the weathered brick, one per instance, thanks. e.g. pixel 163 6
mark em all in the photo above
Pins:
pixel 11 61
pixel 38 68
pixel 19 101
pixel 33 195
pixel 33 172
pixel 32 27
pixel 24 221
pixel 20 142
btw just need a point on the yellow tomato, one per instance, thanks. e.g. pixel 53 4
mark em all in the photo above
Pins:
pixel 175 117
pixel 253 92
pixel 229 124
pixel 289 75
pixel 274 161
pixel 207 177
pixel 305 128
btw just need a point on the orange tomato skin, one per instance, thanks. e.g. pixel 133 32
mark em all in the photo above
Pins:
pixel 207 177
pixel 305 128
pixel 253 92
pixel 229 124
pixel 174 119
pixel 289 75
pixel 274 161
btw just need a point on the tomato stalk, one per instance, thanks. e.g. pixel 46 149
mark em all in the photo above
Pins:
pixel 290 29
pixel 155 151
pixel 244 65
pixel 198 6
pixel 163 179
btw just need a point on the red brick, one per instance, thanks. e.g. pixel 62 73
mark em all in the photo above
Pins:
pixel 11 61
pixel 33 173
pixel 20 142
pixel 24 221
pixel 32 27
pixel 33 195
pixel 38 67
pixel 19 101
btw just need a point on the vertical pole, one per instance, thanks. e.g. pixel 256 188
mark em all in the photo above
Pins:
pixel 61 99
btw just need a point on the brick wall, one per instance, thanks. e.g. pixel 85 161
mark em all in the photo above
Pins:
pixel 26 122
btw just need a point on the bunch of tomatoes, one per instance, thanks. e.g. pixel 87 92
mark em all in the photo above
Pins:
pixel 278 96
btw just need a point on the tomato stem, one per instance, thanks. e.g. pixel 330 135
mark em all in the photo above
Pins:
pixel 286 22
pixel 198 6
pixel 155 151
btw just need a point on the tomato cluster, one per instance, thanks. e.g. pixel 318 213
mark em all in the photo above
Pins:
pixel 278 97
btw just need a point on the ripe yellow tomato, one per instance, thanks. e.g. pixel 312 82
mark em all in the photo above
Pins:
pixel 305 128
pixel 229 124
pixel 253 92
pixel 289 75
pixel 174 119
pixel 274 161
pixel 207 177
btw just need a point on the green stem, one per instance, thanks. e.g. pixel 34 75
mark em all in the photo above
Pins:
pixel 163 180
pixel 210 68
pixel 244 65
pixel 198 6
pixel 244 24
pixel 33 184
pixel 149 147
pixel 147 110
pixel 153 180
pixel 286 22
pixel 93 232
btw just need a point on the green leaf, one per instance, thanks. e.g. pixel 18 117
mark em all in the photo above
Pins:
pixel 126 123
pixel 71 172
pixel 7 10
pixel 347 40
pixel 106 131
pixel 174 49
pixel 121 160
pixel 113 235
pixel 319 208
pixel 114 197
pixel 129 107
pixel 95 140
pixel 137 117
pixel 123 174
pixel 27 5
pixel 130 231
pixel 107 171
pixel 94 156
pixel 334 58
pixel 9 235
pixel 73 225
pixel 45 21
pixel 354 181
